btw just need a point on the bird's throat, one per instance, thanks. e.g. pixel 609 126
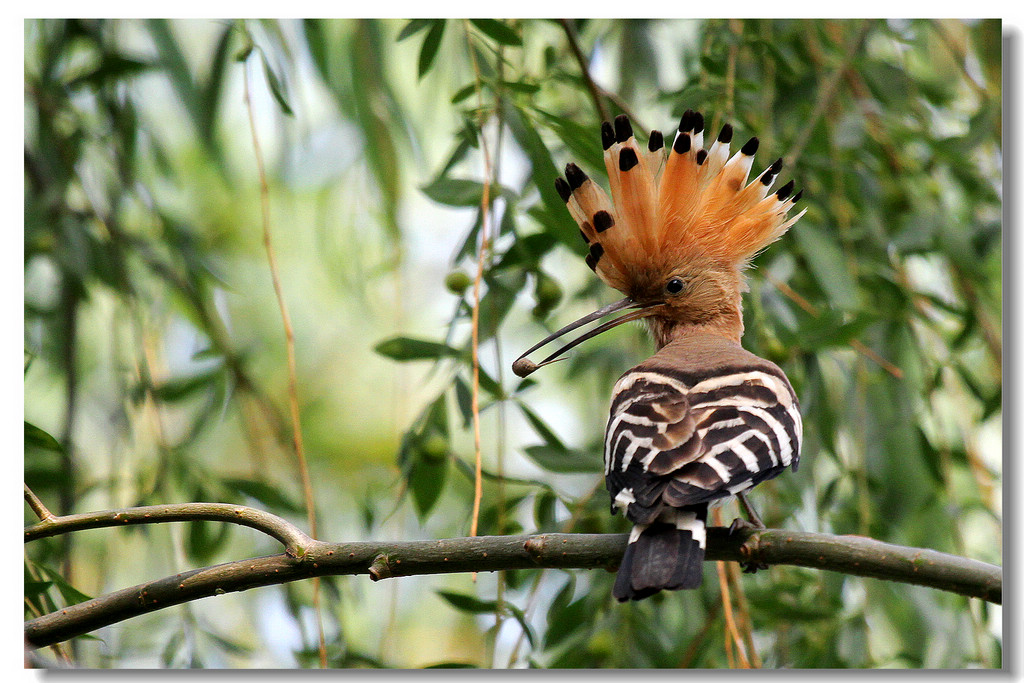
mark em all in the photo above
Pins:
pixel 666 330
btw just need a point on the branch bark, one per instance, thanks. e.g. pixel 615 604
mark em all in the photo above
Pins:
pixel 306 558
pixel 293 539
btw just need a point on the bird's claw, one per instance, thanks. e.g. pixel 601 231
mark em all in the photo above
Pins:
pixel 739 524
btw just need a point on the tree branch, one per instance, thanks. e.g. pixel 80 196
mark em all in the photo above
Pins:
pixel 294 540
pixel 574 46
pixel 855 555
pixel 37 505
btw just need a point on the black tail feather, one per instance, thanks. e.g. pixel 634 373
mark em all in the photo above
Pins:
pixel 662 557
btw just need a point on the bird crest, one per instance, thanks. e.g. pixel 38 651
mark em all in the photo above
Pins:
pixel 693 205
pixel 676 233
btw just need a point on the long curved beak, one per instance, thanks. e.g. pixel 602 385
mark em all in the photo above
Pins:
pixel 523 366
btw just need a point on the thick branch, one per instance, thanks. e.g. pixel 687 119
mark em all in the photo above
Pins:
pixel 848 554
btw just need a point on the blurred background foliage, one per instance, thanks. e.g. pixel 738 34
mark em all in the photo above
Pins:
pixel 155 364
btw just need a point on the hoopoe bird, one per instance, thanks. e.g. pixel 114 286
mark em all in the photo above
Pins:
pixel 702 420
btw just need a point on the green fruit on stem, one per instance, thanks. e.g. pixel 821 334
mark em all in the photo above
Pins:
pixel 547 291
pixel 457 282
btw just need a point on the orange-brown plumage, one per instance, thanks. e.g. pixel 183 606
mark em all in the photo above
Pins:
pixel 692 217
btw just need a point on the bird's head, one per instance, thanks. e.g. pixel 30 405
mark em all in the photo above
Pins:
pixel 677 232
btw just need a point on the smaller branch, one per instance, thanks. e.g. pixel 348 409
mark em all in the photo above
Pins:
pixel 827 92
pixel 624 108
pixel 294 540
pixel 574 45
pixel 990 329
pixel 736 27
pixel 856 344
pixel 37 505
pixel 959 56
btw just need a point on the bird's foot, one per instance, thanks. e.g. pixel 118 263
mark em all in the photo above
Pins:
pixel 740 524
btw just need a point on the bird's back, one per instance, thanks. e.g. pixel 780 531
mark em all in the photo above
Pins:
pixel 700 420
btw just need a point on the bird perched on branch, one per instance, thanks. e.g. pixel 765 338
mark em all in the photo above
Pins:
pixel 703 419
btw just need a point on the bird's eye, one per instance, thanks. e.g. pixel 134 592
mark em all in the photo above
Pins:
pixel 674 286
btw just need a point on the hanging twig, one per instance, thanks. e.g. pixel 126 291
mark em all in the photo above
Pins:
pixel 289 335
pixel 485 215
pixel 732 634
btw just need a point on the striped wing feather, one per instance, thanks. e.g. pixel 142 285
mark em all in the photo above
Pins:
pixel 679 441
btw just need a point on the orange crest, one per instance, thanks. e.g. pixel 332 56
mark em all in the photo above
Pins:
pixel 695 204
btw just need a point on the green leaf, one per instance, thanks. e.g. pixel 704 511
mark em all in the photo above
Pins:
pixel 407 349
pixel 828 265
pixel 542 429
pixel 501 294
pixel 544 510
pixel 891 85
pixel 172 650
pixel 36 588
pixel 413 27
pixel 544 173
pixel 520 87
pixel 713 67
pixel 490 385
pixel 463 92
pixel 426 482
pixel 278 88
pixel 112 67
pixel 171 58
pixel 380 116
pixel 37 438
pixel 461 192
pixel 464 399
pixel 205 539
pixel 520 616
pixel 830 329
pixel 71 595
pixel 227 645
pixel 316 42
pixel 431 43
pixel 210 93
pixel 181 388
pixel 564 461
pixel 270 496
pixel 499 31
pixel 455 191
pixel 424 456
pixel 468 603
pixel 565 618
pixel 582 141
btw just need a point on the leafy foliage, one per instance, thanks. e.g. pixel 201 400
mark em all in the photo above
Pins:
pixel 155 364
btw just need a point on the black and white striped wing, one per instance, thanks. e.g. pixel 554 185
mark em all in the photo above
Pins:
pixel 678 439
